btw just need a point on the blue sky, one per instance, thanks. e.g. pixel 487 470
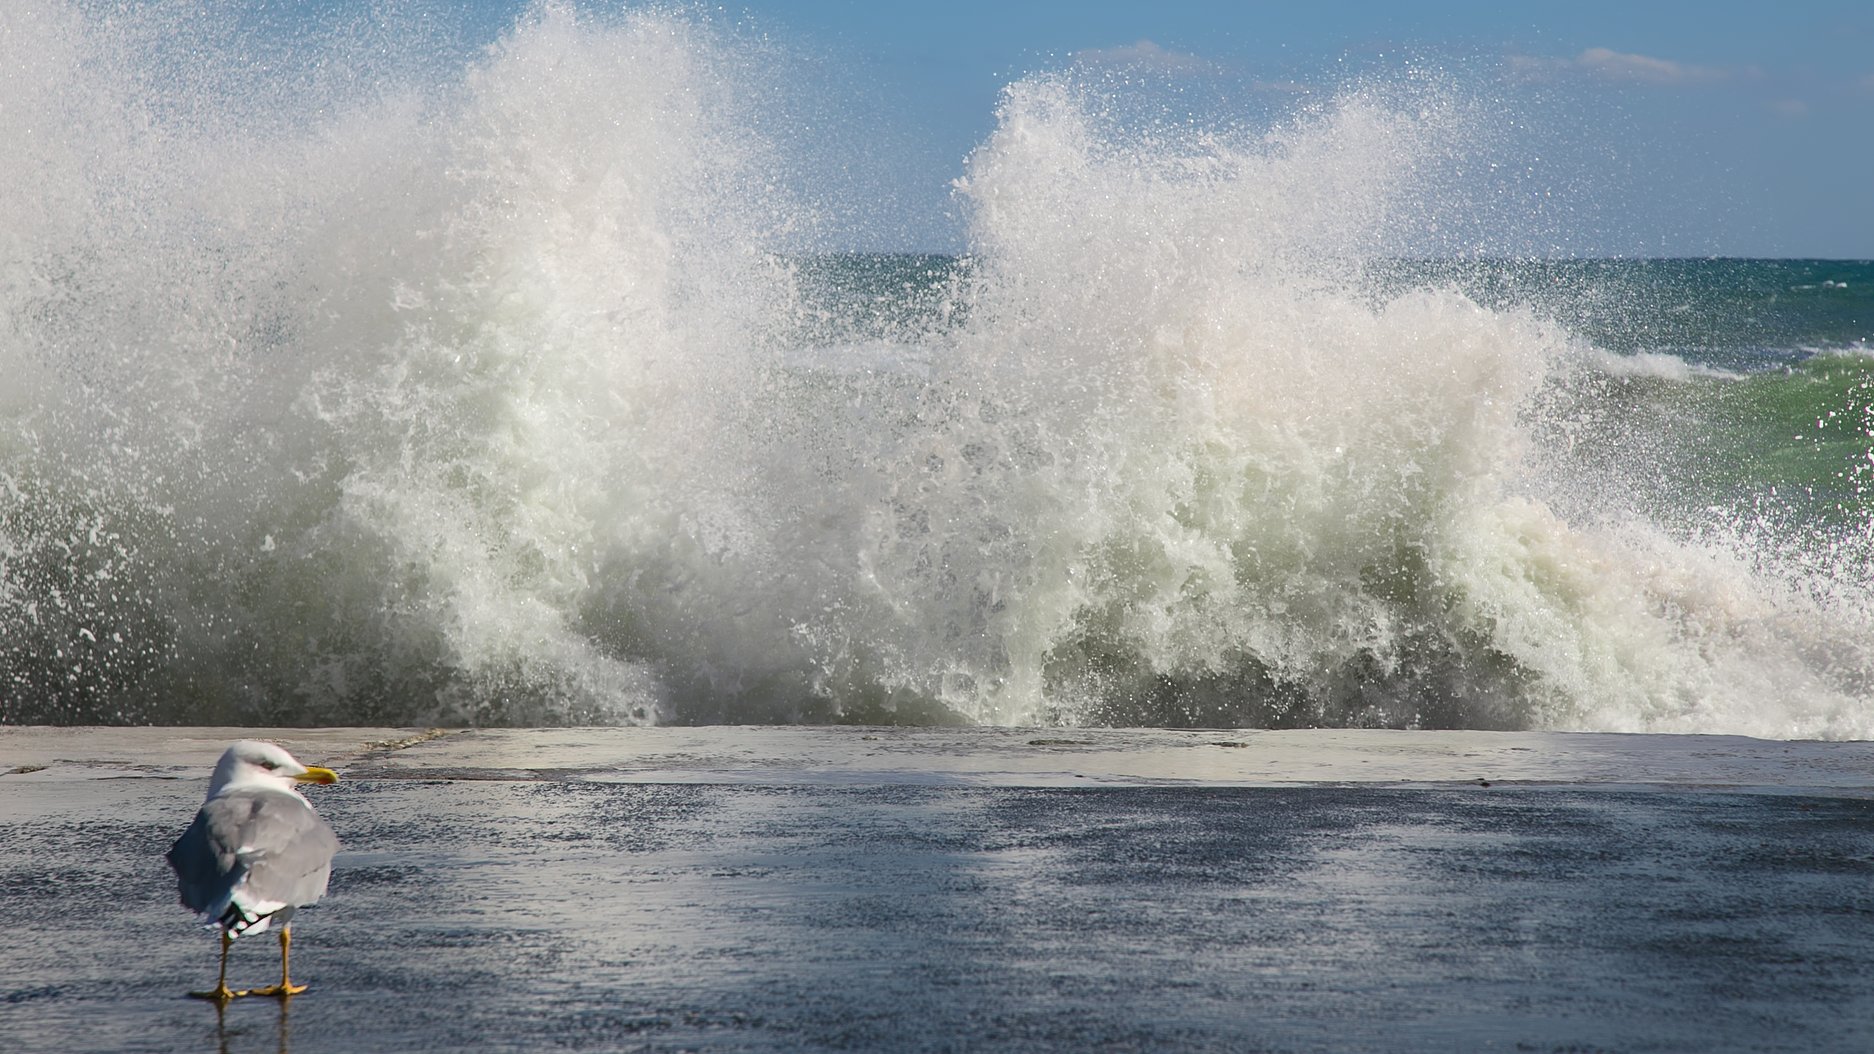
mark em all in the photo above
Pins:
pixel 1714 128
pixel 1720 128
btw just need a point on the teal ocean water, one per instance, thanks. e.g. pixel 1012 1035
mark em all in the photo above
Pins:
pixel 520 391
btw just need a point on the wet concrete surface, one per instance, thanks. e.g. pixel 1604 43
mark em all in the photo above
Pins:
pixel 530 913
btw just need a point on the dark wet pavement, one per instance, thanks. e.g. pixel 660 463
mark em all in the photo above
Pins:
pixel 528 915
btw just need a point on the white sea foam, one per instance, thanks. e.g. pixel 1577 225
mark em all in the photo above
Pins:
pixel 442 349
pixel 478 395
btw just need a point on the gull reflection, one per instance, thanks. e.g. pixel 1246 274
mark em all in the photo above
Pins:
pixel 223 1034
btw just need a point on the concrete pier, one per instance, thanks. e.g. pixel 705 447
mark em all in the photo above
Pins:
pixel 892 889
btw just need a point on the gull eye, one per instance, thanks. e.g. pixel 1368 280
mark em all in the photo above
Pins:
pixel 269 764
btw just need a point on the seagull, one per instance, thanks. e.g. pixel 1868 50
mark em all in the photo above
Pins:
pixel 255 854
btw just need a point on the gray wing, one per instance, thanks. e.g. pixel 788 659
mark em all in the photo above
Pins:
pixel 256 851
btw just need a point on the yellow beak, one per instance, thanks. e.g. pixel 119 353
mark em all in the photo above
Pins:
pixel 315 774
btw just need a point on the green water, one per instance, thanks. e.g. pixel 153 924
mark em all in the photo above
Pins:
pixel 1776 415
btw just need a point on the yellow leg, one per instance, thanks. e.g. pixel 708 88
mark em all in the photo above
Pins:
pixel 286 986
pixel 220 992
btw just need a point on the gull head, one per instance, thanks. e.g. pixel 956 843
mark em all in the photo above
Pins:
pixel 251 763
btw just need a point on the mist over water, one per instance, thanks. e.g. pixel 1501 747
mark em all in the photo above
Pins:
pixel 501 387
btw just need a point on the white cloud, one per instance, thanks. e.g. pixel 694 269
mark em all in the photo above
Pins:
pixel 1144 54
pixel 1619 65
pixel 1608 64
